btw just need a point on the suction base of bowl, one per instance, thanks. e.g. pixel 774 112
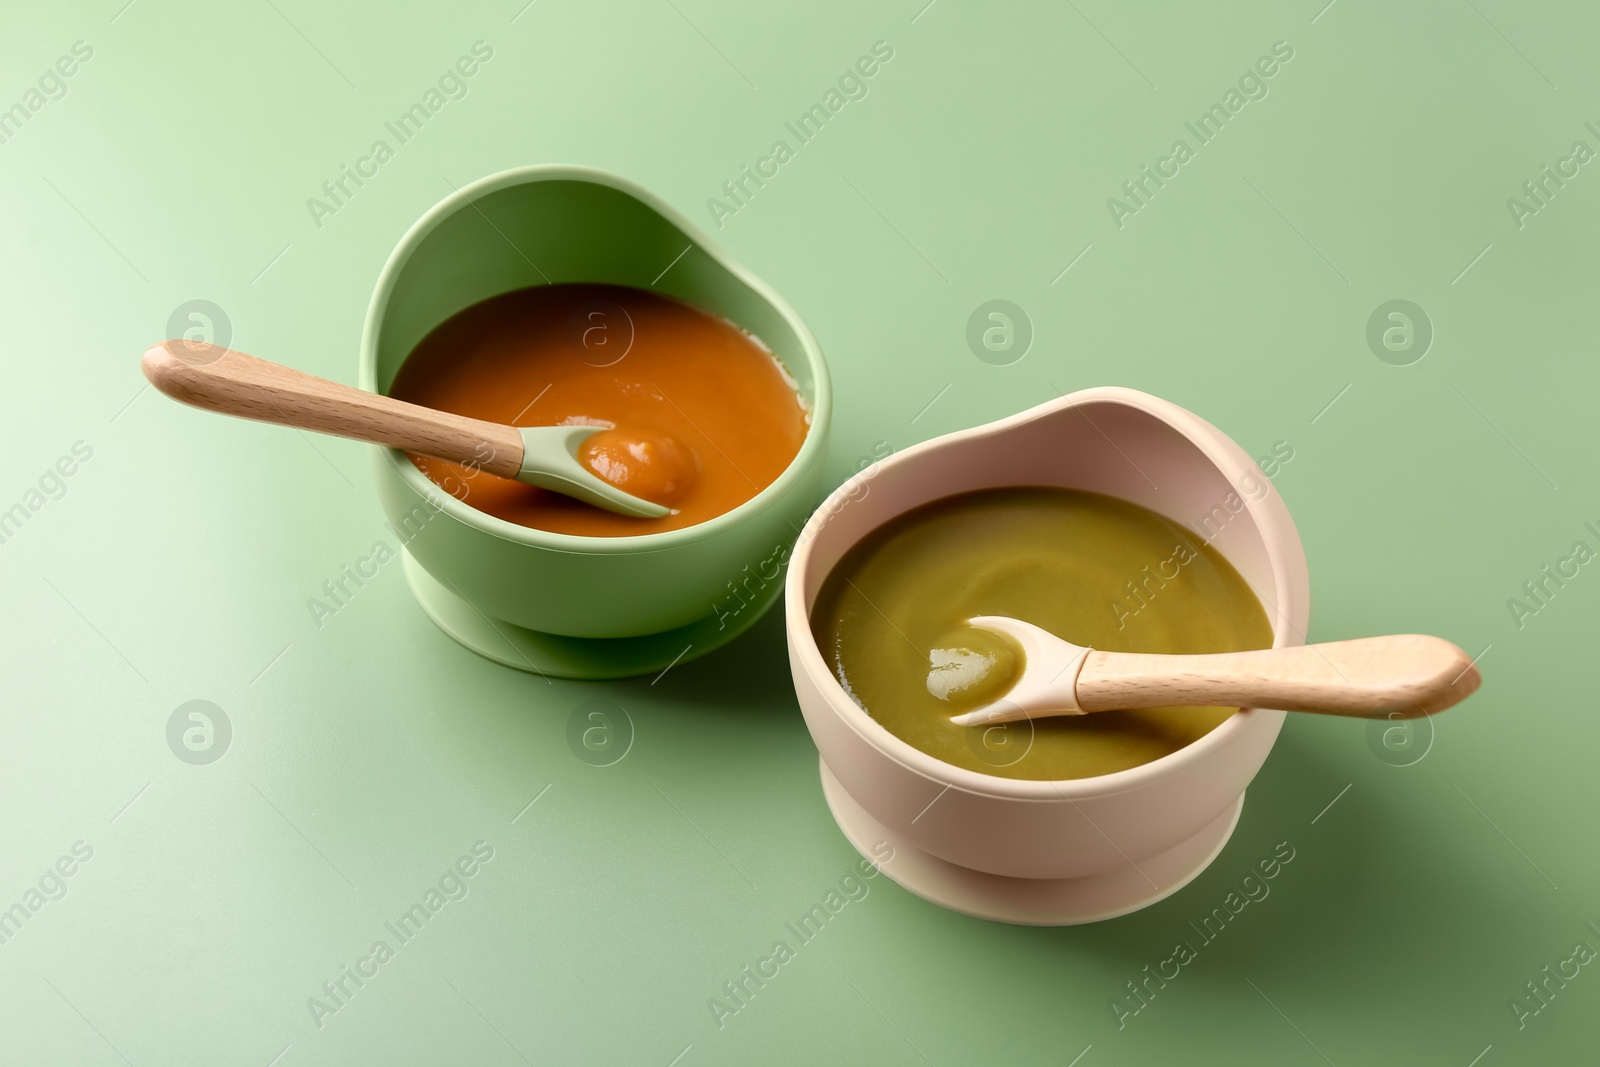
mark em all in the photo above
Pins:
pixel 559 656
pixel 1030 901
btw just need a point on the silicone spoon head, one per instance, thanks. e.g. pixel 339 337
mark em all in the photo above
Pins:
pixel 1046 683
pixel 550 461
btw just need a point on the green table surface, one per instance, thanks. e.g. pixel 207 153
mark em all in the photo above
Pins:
pixel 1435 874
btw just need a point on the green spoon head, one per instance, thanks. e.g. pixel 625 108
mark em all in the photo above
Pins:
pixel 550 461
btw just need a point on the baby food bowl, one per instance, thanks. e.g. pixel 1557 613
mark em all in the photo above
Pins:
pixel 1041 852
pixel 560 604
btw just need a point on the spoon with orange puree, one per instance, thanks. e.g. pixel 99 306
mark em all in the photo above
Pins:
pixel 637 474
pixel 1403 676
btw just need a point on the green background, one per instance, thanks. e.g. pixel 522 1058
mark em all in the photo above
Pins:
pixel 369 754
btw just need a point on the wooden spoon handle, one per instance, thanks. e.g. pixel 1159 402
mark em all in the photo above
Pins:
pixel 232 383
pixel 1407 675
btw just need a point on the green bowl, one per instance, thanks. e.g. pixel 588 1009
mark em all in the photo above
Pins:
pixel 560 604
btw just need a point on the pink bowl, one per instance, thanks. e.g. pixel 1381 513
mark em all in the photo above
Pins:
pixel 1116 441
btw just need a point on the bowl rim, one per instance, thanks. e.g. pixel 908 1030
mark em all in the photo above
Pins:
pixel 1278 535
pixel 811 447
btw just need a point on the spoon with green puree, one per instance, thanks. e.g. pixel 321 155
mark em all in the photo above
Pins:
pixel 1403 675
pixel 565 459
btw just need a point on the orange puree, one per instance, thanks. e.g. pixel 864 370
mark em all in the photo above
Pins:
pixel 648 465
pixel 699 416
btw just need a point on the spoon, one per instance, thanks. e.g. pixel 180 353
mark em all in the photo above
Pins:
pixel 232 383
pixel 1405 675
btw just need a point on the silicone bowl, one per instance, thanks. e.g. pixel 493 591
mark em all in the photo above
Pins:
pixel 560 604
pixel 1051 851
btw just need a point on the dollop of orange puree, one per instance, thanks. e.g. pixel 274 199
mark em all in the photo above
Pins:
pixel 698 415
pixel 649 465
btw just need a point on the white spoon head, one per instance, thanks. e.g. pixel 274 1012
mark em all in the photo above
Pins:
pixel 1048 683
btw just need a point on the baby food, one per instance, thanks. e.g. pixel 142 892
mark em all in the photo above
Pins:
pixel 890 620
pixel 698 414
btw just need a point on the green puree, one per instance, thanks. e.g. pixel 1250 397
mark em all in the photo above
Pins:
pixel 1095 570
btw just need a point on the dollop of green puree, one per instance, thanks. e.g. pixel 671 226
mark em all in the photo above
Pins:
pixel 1098 571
